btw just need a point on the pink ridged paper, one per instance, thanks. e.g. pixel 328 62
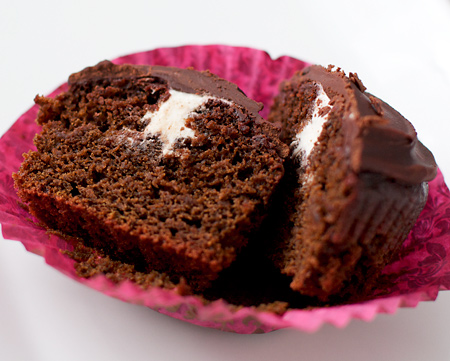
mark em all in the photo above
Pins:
pixel 422 270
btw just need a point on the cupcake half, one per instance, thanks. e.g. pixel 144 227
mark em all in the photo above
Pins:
pixel 164 168
pixel 358 181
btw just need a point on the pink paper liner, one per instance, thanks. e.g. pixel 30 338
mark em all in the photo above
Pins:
pixel 422 269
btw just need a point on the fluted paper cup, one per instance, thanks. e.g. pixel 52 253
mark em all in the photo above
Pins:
pixel 420 272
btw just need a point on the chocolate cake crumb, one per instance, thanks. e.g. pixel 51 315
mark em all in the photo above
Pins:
pixel 163 168
pixel 90 262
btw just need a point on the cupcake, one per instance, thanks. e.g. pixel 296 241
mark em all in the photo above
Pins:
pixel 249 296
pixel 358 182
pixel 164 168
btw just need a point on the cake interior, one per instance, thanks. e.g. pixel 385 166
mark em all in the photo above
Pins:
pixel 314 133
pixel 176 197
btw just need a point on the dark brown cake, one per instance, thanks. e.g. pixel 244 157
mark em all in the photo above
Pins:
pixel 359 176
pixel 167 169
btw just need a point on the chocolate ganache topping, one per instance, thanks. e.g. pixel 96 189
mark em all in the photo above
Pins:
pixel 379 138
pixel 183 80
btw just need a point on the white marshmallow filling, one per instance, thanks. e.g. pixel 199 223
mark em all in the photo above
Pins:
pixel 169 121
pixel 306 139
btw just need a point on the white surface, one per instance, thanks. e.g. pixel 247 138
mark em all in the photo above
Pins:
pixel 400 49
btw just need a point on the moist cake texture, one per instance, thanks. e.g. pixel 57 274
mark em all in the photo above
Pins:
pixel 167 169
pixel 358 180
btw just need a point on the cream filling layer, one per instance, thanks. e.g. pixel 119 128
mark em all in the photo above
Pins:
pixel 169 121
pixel 306 139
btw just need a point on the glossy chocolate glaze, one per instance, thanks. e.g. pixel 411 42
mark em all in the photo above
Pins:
pixel 379 138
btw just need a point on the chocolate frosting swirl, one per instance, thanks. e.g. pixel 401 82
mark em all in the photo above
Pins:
pixel 379 138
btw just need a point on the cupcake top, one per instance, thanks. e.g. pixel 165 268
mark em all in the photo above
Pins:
pixel 189 89
pixel 182 80
pixel 379 138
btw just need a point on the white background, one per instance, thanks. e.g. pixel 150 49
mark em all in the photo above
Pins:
pixel 400 49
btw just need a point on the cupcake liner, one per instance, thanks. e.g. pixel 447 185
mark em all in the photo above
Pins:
pixel 422 269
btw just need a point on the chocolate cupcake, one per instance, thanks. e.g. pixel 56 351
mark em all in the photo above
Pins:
pixel 420 271
pixel 357 183
pixel 164 168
